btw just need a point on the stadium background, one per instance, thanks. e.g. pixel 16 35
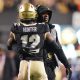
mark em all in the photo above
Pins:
pixel 66 17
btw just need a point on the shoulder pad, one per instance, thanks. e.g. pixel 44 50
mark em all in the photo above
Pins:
pixel 28 24
pixel 16 24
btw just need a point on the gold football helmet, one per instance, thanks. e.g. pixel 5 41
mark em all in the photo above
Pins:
pixel 27 11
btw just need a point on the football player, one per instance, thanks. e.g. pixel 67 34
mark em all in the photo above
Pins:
pixel 29 37
pixel 44 15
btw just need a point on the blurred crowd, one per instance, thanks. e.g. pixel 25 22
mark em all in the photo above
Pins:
pixel 63 6
pixel 68 8
pixel 9 65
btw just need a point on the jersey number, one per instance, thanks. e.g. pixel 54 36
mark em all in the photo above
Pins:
pixel 33 39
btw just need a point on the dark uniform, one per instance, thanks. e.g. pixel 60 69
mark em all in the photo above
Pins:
pixel 30 40
pixel 50 59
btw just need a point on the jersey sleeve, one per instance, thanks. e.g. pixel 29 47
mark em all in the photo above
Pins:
pixel 13 28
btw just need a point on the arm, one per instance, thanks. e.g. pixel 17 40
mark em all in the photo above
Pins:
pixel 54 34
pixel 10 41
pixel 54 47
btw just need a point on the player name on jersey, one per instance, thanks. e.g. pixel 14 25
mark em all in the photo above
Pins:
pixel 29 29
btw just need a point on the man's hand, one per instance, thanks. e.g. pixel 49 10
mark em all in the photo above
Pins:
pixel 69 73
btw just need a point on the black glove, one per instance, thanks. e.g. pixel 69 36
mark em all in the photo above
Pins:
pixel 69 73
